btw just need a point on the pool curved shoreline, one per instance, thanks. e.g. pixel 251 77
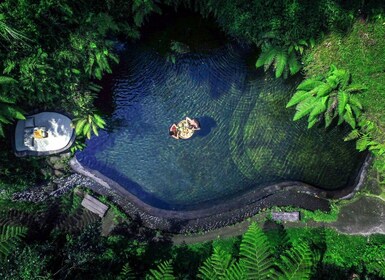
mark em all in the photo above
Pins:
pixel 231 211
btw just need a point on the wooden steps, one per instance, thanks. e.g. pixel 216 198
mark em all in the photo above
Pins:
pixel 94 205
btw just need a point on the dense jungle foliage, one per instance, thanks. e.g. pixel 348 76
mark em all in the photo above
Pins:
pixel 73 248
pixel 53 55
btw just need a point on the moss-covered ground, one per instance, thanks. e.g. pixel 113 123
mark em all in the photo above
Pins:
pixel 361 51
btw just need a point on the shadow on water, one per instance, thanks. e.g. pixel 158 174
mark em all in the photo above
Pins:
pixel 207 124
pixel 131 186
pixel 216 75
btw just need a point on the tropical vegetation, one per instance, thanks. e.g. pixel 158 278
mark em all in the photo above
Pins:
pixel 359 53
pixel 53 55
pixel 72 248
pixel 89 123
pixel 325 98
pixel 8 110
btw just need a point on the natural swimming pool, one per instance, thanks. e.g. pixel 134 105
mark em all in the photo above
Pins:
pixel 248 139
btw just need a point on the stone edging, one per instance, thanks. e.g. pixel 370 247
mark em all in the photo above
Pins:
pixel 223 214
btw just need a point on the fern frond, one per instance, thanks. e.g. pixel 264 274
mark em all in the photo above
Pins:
pixel 87 130
pixel 95 129
pixel 354 134
pixel 266 58
pixel 304 108
pixel 207 272
pixel 10 236
pixel 6 80
pixel 353 100
pixel 343 77
pixel 296 263
pixel 363 143
pixel 216 265
pixel 298 96
pixel 280 63
pixel 323 90
pixel 340 119
pixel 293 64
pixel 126 273
pixel 79 126
pixel 356 88
pixel 236 271
pixel 99 121
pixel 309 84
pixel 343 99
pixel 7 100
pixel 256 254
pixel 332 81
pixel 319 107
pixel 12 112
pixel 94 87
pixel 70 203
pixel 312 122
pixel 328 119
pixel 348 116
pixel 164 271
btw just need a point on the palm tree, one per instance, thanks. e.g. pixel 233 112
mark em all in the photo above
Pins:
pixel 326 98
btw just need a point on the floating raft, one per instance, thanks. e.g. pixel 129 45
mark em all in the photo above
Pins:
pixel 184 131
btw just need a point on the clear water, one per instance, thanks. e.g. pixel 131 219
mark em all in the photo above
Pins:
pixel 248 139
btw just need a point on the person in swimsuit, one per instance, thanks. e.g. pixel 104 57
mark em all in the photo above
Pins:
pixel 174 133
pixel 193 123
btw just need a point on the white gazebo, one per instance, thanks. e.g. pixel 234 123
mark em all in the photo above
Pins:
pixel 42 134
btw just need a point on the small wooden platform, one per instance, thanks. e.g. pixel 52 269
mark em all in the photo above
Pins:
pixel 94 205
pixel 286 216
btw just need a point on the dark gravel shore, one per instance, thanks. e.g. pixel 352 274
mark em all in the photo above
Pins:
pixel 217 216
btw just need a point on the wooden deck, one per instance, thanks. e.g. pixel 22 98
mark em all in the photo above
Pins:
pixel 286 216
pixel 94 205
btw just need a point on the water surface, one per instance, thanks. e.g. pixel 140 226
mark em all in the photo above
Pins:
pixel 248 139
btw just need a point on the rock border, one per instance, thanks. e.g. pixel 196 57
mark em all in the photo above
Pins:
pixel 220 215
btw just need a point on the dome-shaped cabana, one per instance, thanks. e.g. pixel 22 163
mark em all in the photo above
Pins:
pixel 43 134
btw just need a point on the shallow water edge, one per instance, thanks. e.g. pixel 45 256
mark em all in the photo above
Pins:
pixel 228 212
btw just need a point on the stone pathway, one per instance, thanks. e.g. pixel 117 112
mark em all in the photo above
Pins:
pixel 220 233
pixel 55 188
pixel 365 216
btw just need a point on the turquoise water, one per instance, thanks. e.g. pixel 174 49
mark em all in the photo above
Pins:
pixel 248 139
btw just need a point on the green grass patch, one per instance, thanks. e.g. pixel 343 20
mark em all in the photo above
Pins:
pixel 361 52
pixel 321 216
pixel 317 215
